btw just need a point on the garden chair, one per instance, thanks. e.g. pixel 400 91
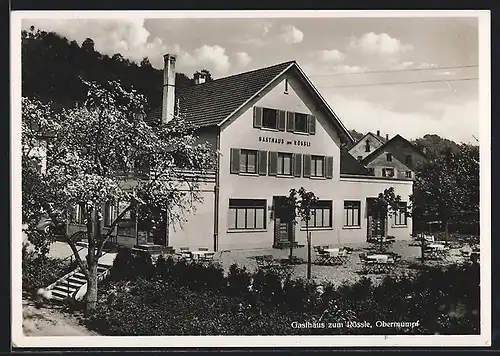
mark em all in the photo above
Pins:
pixel 203 249
pixel 369 266
pixel 321 255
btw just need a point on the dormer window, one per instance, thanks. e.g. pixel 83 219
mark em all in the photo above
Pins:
pixel 389 157
pixel 367 146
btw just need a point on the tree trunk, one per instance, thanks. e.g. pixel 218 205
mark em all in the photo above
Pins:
pixel 91 296
pixel 422 247
pixel 308 252
pixel 93 229
pixel 446 231
pixel 290 239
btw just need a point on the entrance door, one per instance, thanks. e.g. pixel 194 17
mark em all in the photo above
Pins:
pixel 376 225
pixel 284 229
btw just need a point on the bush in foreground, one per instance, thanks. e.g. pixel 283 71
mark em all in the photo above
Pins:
pixel 189 299
pixel 39 271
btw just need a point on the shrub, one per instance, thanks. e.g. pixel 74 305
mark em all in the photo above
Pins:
pixel 191 299
pixel 238 280
pixel 129 264
pixel 39 271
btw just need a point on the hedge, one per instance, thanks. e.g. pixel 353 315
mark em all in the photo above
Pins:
pixel 39 271
pixel 180 298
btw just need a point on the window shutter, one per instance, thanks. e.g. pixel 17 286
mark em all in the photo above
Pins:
pixel 307 166
pixel 297 168
pixel 311 121
pixel 257 117
pixel 329 167
pixel 273 163
pixel 235 160
pixel 262 163
pixel 290 124
pixel 281 120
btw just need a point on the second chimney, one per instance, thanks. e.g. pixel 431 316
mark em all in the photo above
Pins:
pixel 199 78
pixel 168 101
pixel 378 133
pixel 387 137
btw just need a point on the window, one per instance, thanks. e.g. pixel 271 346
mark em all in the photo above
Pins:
pixel 284 164
pixel 317 165
pixel 301 123
pixel 78 215
pixel 372 170
pixel 352 211
pixel 367 146
pixel 248 161
pixel 247 214
pixel 408 174
pixel 400 218
pixel 109 214
pixel 321 214
pixel 388 172
pixel 388 157
pixel 360 158
pixel 286 86
pixel 408 159
pixel 269 118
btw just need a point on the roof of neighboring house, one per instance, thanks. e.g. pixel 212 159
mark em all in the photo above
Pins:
pixel 378 138
pixel 213 102
pixel 350 165
pixel 380 149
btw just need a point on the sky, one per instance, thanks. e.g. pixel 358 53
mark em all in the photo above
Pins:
pixel 339 55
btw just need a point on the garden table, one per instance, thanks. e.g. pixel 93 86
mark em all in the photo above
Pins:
pixel 201 254
pixel 378 263
pixel 335 255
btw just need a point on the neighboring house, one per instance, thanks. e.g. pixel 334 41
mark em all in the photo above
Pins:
pixel 274 132
pixel 366 145
pixel 397 158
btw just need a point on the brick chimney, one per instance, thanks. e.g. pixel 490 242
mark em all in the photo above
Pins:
pixel 378 133
pixel 199 78
pixel 168 102
pixel 387 137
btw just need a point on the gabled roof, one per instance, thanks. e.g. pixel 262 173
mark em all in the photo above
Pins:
pixel 213 102
pixel 377 151
pixel 210 103
pixel 350 165
pixel 379 139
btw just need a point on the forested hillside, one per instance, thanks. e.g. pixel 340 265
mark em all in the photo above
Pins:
pixel 52 65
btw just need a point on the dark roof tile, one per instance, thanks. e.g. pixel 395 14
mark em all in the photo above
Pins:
pixel 350 165
pixel 210 103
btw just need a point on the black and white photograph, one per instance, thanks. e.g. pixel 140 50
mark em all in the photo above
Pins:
pixel 251 178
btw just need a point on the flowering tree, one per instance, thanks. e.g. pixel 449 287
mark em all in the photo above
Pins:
pixel 92 160
pixel 298 204
pixel 447 187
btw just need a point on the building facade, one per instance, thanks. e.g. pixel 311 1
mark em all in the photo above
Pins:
pixel 273 132
pixel 397 158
